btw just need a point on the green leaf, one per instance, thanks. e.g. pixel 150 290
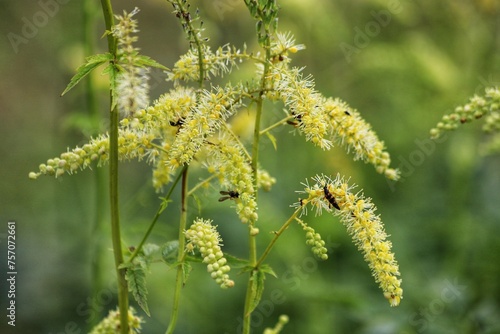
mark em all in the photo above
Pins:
pixel 186 270
pixel 273 140
pixel 169 251
pixel 136 278
pixel 90 64
pixel 266 269
pixel 258 278
pixel 145 61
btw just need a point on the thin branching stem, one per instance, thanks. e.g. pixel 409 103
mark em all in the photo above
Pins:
pixel 162 207
pixel 179 281
pixel 250 295
pixel 277 234
pixel 113 182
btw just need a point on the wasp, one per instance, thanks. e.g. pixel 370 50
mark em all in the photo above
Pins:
pixel 231 194
pixel 178 122
pixel 329 197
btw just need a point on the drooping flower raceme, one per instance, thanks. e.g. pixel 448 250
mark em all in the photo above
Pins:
pixel 325 120
pixel 357 213
pixel 204 236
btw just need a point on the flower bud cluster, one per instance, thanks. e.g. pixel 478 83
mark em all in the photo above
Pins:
pixel 282 321
pixel 314 240
pixel 111 324
pixel 357 213
pixel 478 106
pixel 204 236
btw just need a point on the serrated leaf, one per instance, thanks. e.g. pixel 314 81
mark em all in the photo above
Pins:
pixel 169 251
pixel 266 269
pixel 90 64
pixel 143 61
pixel 136 278
pixel 273 140
pixel 186 270
pixel 258 278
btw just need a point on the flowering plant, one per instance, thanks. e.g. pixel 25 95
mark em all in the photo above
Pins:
pixel 190 125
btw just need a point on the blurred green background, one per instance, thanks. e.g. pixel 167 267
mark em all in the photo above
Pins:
pixel 414 62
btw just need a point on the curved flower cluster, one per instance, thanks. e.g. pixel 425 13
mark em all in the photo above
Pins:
pixel 228 161
pixel 325 120
pixel 111 324
pixel 353 132
pixel 212 110
pixel 304 103
pixel 132 82
pixel 204 236
pixel 357 213
pixel 477 107
pixel 132 145
pixel 314 240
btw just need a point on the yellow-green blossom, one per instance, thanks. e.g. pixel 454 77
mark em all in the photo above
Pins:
pixel 354 133
pixel 228 161
pixel 357 213
pixel 131 145
pixel 216 64
pixel 132 81
pixel 212 109
pixel 204 236
pixel 111 324
pixel 325 120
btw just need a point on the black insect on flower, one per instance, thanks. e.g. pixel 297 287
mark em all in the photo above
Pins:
pixel 231 194
pixel 329 197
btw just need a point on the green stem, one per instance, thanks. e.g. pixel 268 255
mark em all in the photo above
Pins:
pixel 89 13
pixel 113 183
pixel 179 281
pixel 277 234
pixel 250 294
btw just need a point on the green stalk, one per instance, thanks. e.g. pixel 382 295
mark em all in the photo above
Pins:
pixel 113 181
pixel 89 13
pixel 250 294
pixel 179 281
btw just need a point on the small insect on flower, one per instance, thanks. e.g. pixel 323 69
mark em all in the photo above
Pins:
pixel 230 195
pixel 347 113
pixel 329 197
pixel 178 122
